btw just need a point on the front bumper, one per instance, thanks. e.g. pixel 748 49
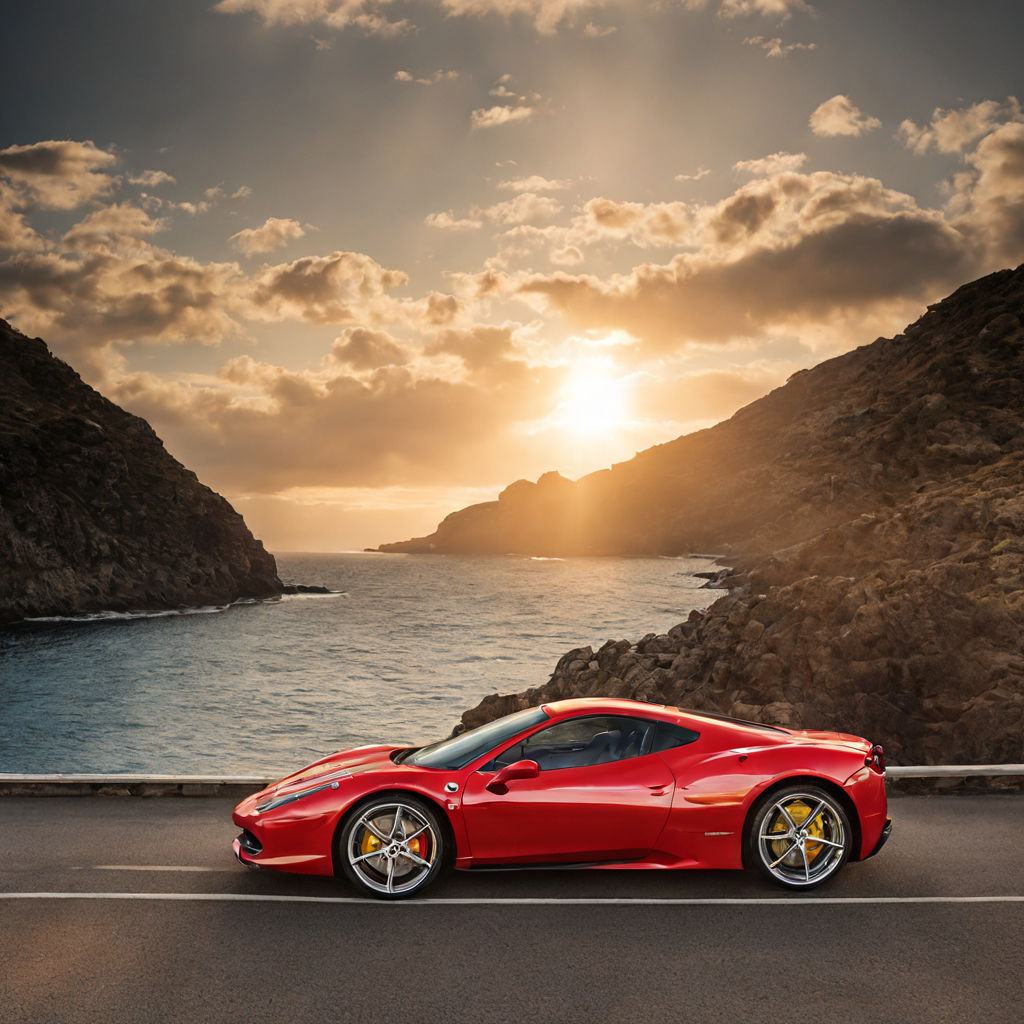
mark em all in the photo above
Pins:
pixel 296 838
pixel 886 832
pixel 244 846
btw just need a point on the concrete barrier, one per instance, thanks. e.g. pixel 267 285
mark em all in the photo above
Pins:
pixel 901 778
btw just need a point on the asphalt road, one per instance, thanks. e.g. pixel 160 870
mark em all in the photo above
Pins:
pixel 193 936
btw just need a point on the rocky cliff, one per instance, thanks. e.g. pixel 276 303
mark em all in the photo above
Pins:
pixel 874 508
pixel 95 514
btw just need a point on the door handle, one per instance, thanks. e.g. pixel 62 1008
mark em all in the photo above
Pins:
pixel 658 790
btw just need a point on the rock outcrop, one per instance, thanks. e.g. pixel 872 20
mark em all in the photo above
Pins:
pixel 874 508
pixel 95 514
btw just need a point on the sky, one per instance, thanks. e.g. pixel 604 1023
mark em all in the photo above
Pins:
pixel 363 262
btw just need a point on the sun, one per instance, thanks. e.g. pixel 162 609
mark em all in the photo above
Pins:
pixel 593 402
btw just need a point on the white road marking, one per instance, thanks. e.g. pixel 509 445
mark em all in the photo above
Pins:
pixel 753 901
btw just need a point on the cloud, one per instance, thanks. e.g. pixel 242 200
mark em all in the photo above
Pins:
pixel 436 309
pixel 447 221
pixel 440 75
pixel 839 116
pixel 374 24
pixel 151 179
pixel 568 256
pixel 250 427
pixel 780 9
pixel 701 172
pixel 546 15
pixel 15 231
pixel 337 14
pixel 272 234
pixel 479 347
pixel 518 107
pixel 988 201
pixel 335 289
pixel 363 349
pixel 952 131
pixel 524 208
pixel 88 300
pixel 766 166
pixel 775 47
pixel 534 183
pixel 653 224
pixel 493 117
pixel 793 249
pixel 58 175
pixel 112 225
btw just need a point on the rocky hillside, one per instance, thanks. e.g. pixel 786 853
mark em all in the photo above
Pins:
pixel 874 507
pixel 854 434
pixel 95 514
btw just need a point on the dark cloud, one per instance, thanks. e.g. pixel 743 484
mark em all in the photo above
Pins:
pixel 58 175
pixel 795 248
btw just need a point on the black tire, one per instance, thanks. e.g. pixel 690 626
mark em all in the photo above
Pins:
pixel 391 847
pixel 799 836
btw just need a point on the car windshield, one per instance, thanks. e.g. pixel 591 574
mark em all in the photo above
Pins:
pixel 458 751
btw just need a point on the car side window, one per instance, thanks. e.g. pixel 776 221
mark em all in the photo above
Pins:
pixel 668 736
pixel 581 742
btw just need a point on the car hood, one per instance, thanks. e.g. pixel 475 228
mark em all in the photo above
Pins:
pixel 337 765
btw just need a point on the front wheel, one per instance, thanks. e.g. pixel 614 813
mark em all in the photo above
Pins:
pixel 391 847
pixel 800 836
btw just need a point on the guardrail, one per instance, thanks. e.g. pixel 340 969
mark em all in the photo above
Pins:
pixel 128 784
pixel 951 771
pixel 129 779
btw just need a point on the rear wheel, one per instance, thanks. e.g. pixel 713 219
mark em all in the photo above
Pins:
pixel 800 836
pixel 391 847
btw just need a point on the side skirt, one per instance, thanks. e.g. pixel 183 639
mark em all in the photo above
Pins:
pixel 553 867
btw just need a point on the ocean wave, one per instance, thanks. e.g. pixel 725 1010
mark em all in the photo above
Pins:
pixel 112 616
pixel 544 558
pixel 166 613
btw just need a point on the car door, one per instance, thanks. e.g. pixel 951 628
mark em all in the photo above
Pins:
pixel 572 812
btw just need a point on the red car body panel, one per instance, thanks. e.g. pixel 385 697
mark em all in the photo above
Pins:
pixel 685 807
pixel 612 811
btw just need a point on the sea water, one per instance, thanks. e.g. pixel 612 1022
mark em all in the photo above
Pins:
pixel 404 646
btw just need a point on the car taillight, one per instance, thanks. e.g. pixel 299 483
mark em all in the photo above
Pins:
pixel 876 759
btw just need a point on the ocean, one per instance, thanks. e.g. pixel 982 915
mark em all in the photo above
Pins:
pixel 406 645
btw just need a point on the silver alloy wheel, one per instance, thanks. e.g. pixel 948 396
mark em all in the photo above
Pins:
pixel 391 848
pixel 802 837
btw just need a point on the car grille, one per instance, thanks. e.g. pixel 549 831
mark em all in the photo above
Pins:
pixel 249 843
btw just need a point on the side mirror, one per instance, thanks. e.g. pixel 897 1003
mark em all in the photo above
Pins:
pixel 518 770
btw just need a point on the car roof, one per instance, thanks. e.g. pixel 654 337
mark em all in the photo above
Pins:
pixel 645 709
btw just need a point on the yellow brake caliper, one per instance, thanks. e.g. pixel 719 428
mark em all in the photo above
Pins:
pixel 371 844
pixel 798 811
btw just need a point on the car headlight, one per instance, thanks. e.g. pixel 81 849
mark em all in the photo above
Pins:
pixel 290 798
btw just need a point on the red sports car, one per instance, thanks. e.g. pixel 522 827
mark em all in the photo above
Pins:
pixel 581 783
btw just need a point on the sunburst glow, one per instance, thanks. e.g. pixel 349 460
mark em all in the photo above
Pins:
pixel 593 402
